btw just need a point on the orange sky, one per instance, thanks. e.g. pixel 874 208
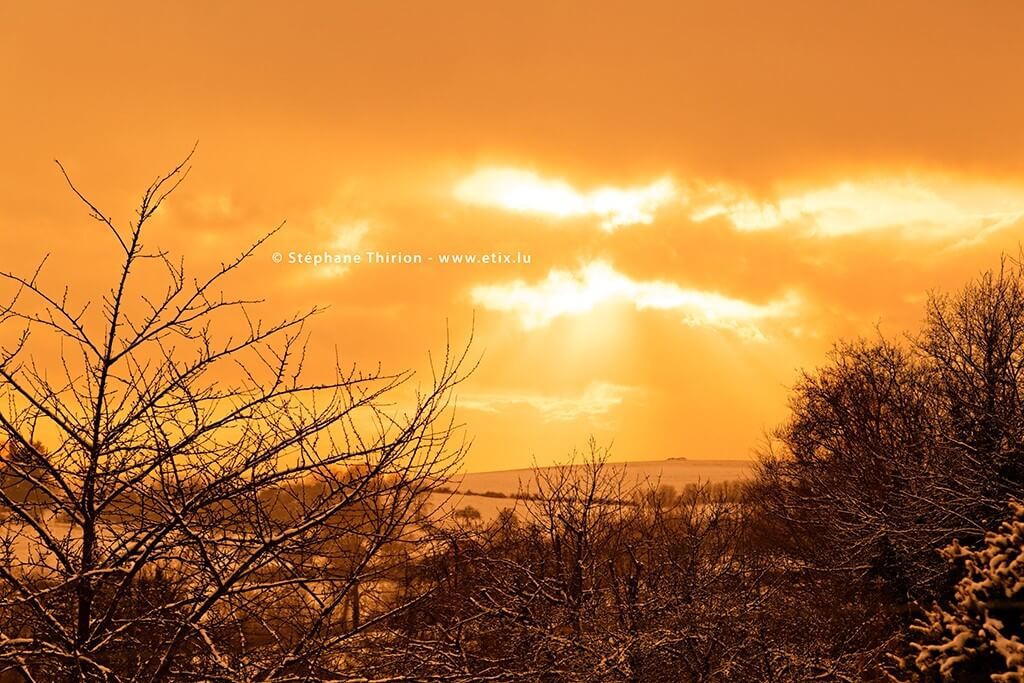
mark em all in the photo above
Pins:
pixel 710 192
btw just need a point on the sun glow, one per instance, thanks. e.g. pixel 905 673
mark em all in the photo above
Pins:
pixel 523 191
pixel 566 293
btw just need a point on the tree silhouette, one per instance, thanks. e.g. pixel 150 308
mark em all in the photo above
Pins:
pixel 894 450
pixel 214 511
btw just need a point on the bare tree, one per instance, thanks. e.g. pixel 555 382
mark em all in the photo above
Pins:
pixel 975 342
pixel 591 578
pixel 894 449
pixel 203 510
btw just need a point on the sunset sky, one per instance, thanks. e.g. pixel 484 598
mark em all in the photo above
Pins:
pixel 710 193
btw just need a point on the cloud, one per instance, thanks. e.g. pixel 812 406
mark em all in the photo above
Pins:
pixel 213 207
pixel 349 237
pixel 524 191
pixel 342 238
pixel 597 399
pixel 916 207
pixel 566 293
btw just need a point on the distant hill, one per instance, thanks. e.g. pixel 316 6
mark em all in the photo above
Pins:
pixel 489 492
pixel 676 472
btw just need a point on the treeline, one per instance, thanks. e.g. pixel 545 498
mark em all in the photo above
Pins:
pixel 876 542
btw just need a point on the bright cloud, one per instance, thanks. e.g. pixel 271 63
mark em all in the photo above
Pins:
pixel 212 207
pixel 916 207
pixel 597 399
pixel 345 238
pixel 349 236
pixel 522 191
pixel 566 293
